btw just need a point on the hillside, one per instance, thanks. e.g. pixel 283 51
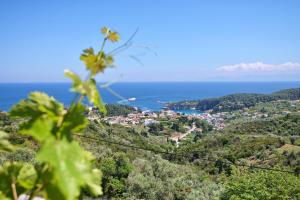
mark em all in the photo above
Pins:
pixel 235 101
pixel 200 168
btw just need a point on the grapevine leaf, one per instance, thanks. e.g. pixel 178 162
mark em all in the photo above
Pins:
pixel 22 175
pixel 70 168
pixel 4 143
pixel 93 186
pixel 27 176
pixel 37 104
pixel 88 88
pixel 89 59
pixel 43 114
pixel 8 175
pixel 51 188
pixel 104 31
pixel 94 96
pixel 113 36
pixel 74 120
pixel 94 62
pixel 78 86
pixel 40 128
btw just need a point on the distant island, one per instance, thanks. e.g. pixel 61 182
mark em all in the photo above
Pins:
pixel 234 101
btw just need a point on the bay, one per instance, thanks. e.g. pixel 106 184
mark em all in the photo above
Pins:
pixel 148 96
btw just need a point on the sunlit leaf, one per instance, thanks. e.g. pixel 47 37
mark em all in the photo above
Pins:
pixel 90 60
pixel 39 128
pixel 113 37
pixel 70 165
pixel 74 120
pixel 94 96
pixel 78 85
pixel 27 176
pixel 94 62
pixel 94 186
pixel 105 31
pixel 87 88
pixel 22 175
pixel 43 114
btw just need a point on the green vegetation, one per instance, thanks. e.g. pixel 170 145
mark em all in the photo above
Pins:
pixel 282 125
pixel 118 109
pixel 137 174
pixel 262 185
pixel 236 101
pixel 116 170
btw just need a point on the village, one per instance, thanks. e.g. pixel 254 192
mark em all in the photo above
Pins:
pixel 147 118
pixel 217 121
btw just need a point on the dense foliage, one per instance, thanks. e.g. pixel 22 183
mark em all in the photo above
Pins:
pixel 236 101
pixel 262 185
pixel 119 109
pixel 282 125
pixel 136 174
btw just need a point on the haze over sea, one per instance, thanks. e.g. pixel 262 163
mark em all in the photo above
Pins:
pixel 149 96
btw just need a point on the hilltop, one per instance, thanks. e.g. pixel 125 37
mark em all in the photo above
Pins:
pixel 235 101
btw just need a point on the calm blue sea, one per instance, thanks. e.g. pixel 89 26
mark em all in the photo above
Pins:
pixel 148 95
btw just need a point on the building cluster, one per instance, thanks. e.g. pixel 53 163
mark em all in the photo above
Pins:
pixel 146 118
pixel 217 119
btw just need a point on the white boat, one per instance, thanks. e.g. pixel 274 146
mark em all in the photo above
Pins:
pixel 131 99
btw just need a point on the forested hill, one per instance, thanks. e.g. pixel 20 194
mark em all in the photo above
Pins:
pixel 235 101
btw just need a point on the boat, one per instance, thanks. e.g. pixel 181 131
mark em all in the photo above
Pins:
pixel 131 99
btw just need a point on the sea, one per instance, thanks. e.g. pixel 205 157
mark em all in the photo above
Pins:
pixel 146 96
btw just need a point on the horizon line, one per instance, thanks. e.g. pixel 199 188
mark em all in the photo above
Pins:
pixel 65 82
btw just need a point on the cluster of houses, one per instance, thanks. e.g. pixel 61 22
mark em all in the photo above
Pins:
pixel 146 117
pixel 217 119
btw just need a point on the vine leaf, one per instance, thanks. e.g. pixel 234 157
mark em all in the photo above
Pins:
pixel 113 36
pixel 87 88
pixel 93 186
pixel 71 169
pixel 43 114
pixel 74 121
pixel 105 31
pixel 96 62
pixel 47 118
pixel 27 176
pixel 22 175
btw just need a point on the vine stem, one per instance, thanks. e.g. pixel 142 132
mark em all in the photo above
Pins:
pixel 14 190
pixel 103 44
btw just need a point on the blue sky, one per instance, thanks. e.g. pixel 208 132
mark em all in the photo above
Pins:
pixel 249 40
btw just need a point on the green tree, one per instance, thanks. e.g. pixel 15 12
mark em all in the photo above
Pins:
pixel 155 128
pixel 262 185
pixel 116 170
